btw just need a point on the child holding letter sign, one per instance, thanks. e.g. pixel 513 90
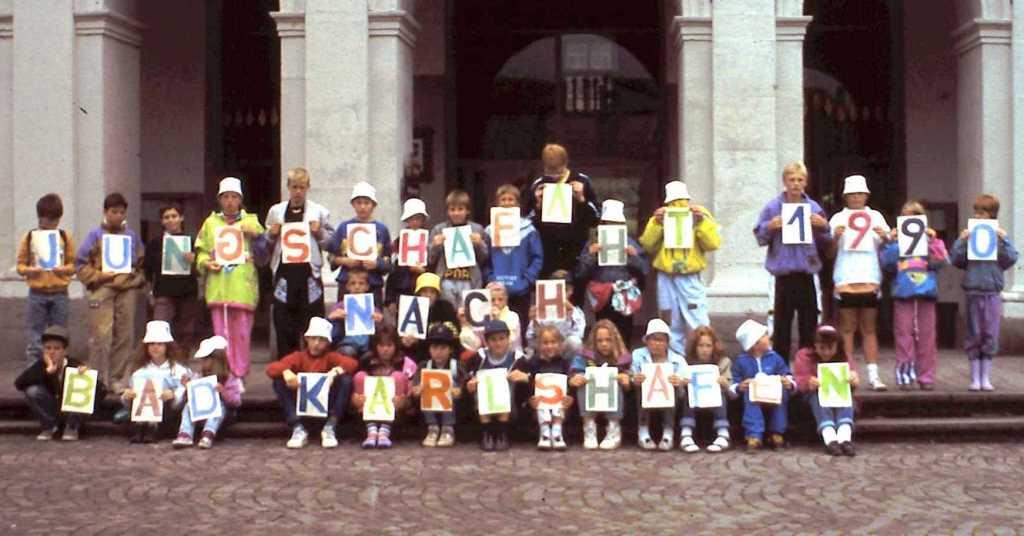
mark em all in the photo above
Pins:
pixel 682 299
pixel 549 400
pixel 224 250
pixel 169 269
pixel 604 351
pixel 213 360
pixel 383 360
pixel 318 357
pixel 357 282
pixel 412 243
pixel 112 293
pixel 437 396
pixel 46 259
pixel 613 290
pixel 834 424
pixel 572 326
pixel 859 232
pixel 45 391
pixel 656 350
pixel 983 284
pixel 758 359
pixel 915 289
pixel 354 246
pixel 515 267
pixel 454 281
pixel 704 348
pixel 499 356
pixel 156 381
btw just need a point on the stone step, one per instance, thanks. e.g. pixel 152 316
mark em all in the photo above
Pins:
pixel 959 427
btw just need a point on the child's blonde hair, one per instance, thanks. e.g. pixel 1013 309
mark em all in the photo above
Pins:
pixel 914 207
pixel 298 175
pixel 549 328
pixel 507 189
pixel 619 346
pixel 495 286
pixel 553 155
pixel 795 168
pixel 457 198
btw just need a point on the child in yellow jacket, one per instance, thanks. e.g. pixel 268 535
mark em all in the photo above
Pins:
pixel 682 298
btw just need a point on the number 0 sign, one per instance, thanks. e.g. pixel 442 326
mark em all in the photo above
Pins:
pixel 912 239
pixel 983 242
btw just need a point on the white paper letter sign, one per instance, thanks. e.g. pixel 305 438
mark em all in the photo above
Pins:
pixel 458 248
pixel 834 391
pixel 612 239
pixel 858 233
pixel 147 406
pixel 295 248
pixel 655 390
pixel 46 249
pixel 557 203
pixel 412 247
pixel 436 390
pixel 476 305
pixel 79 394
pixel 380 398
pixel 602 389
pixel 361 242
pixel 117 254
pixel 551 299
pixel 764 389
pixel 796 223
pixel 550 390
pixel 505 227
pixel 311 396
pixel 359 314
pixel 678 228
pixel 913 237
pixel 412 316
pixel 229 246
pixel 492 392
pixel 983 242
pixel 203 399
pixel 704 390
pixel 173 260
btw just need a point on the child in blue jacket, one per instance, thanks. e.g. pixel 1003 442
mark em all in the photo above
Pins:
pixel 759 359
pixel 518 267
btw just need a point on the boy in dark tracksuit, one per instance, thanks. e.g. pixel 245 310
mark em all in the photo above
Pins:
pixel 497 355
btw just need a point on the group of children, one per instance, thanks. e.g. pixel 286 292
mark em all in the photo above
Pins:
pixel 514 335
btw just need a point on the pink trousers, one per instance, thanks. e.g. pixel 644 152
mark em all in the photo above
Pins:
pixel 234 324
pixel 916 352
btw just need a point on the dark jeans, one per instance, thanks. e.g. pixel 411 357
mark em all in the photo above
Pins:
pixel 689 418
pixel 44 310
pixel 45 406
pixel 829 417
pixel 290 322
pixel 337 399
pixel 439 418
pixel 794 295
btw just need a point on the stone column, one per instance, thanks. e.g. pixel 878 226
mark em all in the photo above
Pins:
pixel 692 37
pixel 9 234
pixel 744 145
pixel 1017 207
pixel 291 28
pixel 392 40
pixel 790 28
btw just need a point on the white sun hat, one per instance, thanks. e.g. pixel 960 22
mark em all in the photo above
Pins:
pixel 676 190
pixel 319 327
pixel 157 331
pixel 612 210
pixel 655 326
pixel 208 346
pixel 230 184
pixel 414 207
pixel 363 189
pixel 855 184
pixel 749 332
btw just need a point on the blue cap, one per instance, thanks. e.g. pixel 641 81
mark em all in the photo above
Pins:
pixel 495 326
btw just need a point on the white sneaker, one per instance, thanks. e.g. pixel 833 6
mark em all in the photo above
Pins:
pixel 590 434
pixel 46 435
pixel 70 434
pixel 327 438
pixel 877 385
pixel 544 443
pixel 613 437
pixel 686 444
pixel 558 443
pixel 721 444
pixel 666 443
pixel 299 438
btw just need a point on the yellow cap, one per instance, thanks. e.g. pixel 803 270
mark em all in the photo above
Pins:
pixel 428 280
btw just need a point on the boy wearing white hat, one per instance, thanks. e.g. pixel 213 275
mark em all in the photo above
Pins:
pixel 517 268
pixel 682 298
pixel 364 201
pixel 298 287
pixel 857 274
pixel 656 349
pixel 232 290
pixel 758 359
pixel 317 356
pixel 402 279
pixel 613 291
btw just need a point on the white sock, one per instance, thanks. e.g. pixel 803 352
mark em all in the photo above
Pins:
pixel 545 430
pixel 844 433
pixel 828 434
pixel 872 371
pixel 686 431
pixel 723 432
pixel 556 429
pixel 643 432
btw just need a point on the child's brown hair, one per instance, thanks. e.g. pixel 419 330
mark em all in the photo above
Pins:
pixel 619 346
pixel 50 206
pixel 988 203
pixel 115 200
pixel 458 198
pixel 506 189
pixel 717 352
pixel 175 355
pixel 171 206
pixel 218 363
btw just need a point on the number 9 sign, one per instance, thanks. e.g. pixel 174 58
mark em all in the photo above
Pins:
pixel 856 238
pixel 912 241
pixel 983 242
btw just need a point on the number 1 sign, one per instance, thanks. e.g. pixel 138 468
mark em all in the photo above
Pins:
pixel 983 242
pixel 796 223
pixel 912 239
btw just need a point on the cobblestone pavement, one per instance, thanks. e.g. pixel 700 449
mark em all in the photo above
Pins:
pixel 104 485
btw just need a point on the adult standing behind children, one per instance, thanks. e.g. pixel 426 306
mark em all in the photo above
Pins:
pixel 562 242
pixel 298 287
pixel 112 296
pixel 232 290
pixel 794 266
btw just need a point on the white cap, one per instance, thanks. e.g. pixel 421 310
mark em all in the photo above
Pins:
pixel 413 207
pixel 157 331
pixel 208 346
pixel 319 327
pixel 855 184
pixel 363 189
pixel 657 325
pixel 230 184
pixel 749 332
pixel 676 190
pixel 611 210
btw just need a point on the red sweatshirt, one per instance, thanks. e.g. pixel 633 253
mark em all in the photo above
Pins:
pixel 302 361
pixel 805 366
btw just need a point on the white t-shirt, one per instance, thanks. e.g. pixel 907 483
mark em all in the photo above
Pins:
pixel 858 266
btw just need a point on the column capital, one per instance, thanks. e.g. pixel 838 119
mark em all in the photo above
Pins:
pixel 791 28
pixel 110 24
pixel 289 24
pixel 395 23
pixel 6 25
pixel 691 29
pixel 980 32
